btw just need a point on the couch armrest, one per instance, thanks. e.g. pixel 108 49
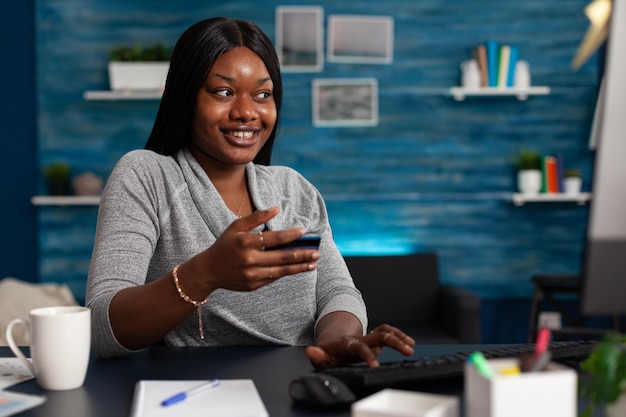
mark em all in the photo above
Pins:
pixel 461 313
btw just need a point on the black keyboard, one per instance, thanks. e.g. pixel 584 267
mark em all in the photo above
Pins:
pixel 406 372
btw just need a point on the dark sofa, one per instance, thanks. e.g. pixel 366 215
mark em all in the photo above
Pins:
pixel 405 291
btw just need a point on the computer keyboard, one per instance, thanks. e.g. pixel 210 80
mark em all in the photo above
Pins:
pixel 406 372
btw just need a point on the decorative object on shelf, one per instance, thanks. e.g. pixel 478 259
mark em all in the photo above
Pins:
pixel 470 74
pixel 603 381
pixel 499 67
pixel 572 181
pixel 57 177
pixel 496 70
pixel 137 68
pixel 521 77
pixel 528 164
pixel 87 184
pixel 547 170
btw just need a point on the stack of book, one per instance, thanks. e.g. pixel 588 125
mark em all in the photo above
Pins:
pixel 551 174
pixel 496 63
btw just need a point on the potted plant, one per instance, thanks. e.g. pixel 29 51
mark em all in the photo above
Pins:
pixel 572 181
pixel 603 381
pixel 528 165
pixel 139 68
pixel 57 177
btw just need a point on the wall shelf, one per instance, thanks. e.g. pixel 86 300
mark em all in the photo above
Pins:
pixel 123 95
pixel 520 199
pixel 65 200
pixel 460 93
pixel 517 198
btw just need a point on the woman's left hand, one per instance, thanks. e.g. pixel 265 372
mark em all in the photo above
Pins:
pixel 344 350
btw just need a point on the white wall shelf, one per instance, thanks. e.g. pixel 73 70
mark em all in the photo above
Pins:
pixel 123 95
pixel 460 93
pixel 520 199
pixel 517 198
pixel 65 200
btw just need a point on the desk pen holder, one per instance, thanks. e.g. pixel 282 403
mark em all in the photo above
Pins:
pixel 548 393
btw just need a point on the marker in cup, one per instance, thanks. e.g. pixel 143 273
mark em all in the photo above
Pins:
pixel 481 364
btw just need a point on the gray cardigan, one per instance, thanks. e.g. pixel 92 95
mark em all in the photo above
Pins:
pixel 158 211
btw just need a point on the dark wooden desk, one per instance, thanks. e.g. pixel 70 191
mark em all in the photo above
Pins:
pixel 109 386
pixel 108 389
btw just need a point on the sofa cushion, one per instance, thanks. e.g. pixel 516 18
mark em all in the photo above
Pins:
pixel 18 297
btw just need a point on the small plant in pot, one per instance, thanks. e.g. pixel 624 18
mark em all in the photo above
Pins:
pixel 57 177
pixel 139 68
pixel 603 381
pixel 572 181
pixel 528 165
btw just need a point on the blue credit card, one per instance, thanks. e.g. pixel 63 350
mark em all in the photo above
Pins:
pixel 305 242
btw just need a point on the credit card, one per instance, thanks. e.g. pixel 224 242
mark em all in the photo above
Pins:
pixel 305 242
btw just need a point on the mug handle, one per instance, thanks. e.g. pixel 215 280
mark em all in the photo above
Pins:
pixel 16 351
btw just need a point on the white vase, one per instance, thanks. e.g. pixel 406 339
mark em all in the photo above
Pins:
pixel 521 77
pixel 618 408
pixel 470 74
pixel 529 181
pixel 572 185
pixel 87 183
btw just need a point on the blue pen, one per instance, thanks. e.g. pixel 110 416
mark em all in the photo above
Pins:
pixel 181 396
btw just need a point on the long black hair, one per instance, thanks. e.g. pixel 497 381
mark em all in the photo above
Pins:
pixel 195 53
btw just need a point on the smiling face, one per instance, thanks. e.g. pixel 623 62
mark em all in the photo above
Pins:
pixel 235 111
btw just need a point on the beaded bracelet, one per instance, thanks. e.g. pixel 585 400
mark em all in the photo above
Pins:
pixel 185 297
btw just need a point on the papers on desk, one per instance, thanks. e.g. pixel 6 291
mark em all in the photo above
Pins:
pixel 13 403
pixel 231 398
pixel 13 371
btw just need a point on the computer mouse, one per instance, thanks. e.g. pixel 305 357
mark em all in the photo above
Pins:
pixel 319 390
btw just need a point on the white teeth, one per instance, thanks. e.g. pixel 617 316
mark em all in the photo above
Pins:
pixel 240 134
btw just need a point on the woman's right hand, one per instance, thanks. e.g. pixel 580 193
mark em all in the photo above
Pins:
pixel 238 260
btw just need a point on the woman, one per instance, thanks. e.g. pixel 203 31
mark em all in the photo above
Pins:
pixel 180 252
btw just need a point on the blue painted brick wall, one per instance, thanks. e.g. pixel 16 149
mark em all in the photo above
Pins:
pixel 432 176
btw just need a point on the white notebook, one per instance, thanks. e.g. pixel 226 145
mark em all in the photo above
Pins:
pixel 231 398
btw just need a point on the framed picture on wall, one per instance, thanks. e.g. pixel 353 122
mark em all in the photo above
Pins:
pixel 345 102
pixel 360 39
pixel 299 38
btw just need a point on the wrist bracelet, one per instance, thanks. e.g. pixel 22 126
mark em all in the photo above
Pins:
pixel 185 297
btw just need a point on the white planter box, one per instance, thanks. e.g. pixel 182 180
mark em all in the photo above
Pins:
pixel 138 75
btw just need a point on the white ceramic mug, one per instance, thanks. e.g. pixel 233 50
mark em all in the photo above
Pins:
pixel 60 342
